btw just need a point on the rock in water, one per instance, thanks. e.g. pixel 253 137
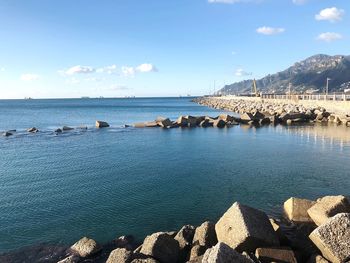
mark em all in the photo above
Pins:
pixel 267 255
pixel 66 128
pixel 245 229
pixel 85 247
pixel 333 237
pixel 327 207
pixel 32 130
pixel 182 121
pixel 119 255
pixel 70 259
pixel 219 123
pixel 296 209
pixel 222 253
pixel 162 247
pixel 58 130
pixel 101 124
pixel 7 134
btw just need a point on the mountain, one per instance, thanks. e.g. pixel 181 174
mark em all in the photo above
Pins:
pixel 309 74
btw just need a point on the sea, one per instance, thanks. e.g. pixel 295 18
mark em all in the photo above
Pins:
pixel 105 183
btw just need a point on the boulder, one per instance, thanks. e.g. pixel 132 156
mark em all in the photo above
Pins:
pixel 219 123
pixel 246 117
pixel 317 259
pixel 166 123
pixel 333 237
pixel 7 134
pixel 264 121
pixel 119 255
pixel 85 247
pixel 70 259
pixel 185 236
pixel 101 124
pixel 197 251
pixel 162 247
pixel 182 121
pixel 245 229
pixel 222 253
pixel 192 121
pixel 205 235
pixel 327 207
pixel 267 255
pixel 32 130
pixel 66 128
pixel 296 209
pixel 58 130
pixel 205 123
pixel 226 117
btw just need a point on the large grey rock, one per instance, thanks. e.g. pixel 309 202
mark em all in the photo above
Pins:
pixel 85 247
pixel 333 238
pixel 205 235
pixel 219 123
pixel 192 121
pixel 296 209
pixel 182 121
pixel 267 255
pixel 162 247
pixel 165 123
pixel 101 124
pixel 245 229
pixel 197 251
pixel 185 237
pixel 327 207
pixel 7 134
pixel 222 253
pixel 119 255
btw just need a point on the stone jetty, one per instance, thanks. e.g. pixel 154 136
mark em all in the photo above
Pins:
pixel 310 231
pixel 263 112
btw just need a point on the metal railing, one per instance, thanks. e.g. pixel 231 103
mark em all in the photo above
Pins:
pixel 297 97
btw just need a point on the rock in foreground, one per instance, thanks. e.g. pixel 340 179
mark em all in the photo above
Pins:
pixel 162 247
pixel 333 238
pixel 222 253
pixel 296 209
pixel 245 229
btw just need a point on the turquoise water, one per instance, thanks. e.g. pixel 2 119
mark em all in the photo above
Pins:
pixel 116 181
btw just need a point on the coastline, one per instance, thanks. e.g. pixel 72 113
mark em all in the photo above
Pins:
pixel 305 233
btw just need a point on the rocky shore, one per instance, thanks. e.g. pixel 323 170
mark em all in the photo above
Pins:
pixel 310 231
pixel 260 112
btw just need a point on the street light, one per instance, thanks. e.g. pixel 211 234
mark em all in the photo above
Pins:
pixel 328 79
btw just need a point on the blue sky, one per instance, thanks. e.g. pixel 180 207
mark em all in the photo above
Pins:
pixel 158 47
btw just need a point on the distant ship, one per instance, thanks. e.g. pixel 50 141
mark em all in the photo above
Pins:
pixel 28 98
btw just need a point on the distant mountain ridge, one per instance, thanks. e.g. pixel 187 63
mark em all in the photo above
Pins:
pixel 309 74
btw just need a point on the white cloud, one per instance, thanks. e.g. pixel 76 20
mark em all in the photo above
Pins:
pixel 241 73
pixel 265 30
pixel 146 68
pixel 329 36
pixel 29 77
pixel 128 71
pixel 108 69
pixel 331 14
pixel 2 69
pixel 78 70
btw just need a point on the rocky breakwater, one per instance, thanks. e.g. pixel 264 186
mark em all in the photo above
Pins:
pixel 310 231
pixel 259 112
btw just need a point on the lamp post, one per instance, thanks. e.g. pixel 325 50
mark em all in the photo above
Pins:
pixel 328 79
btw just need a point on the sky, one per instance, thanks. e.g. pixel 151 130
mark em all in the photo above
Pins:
pixel 117 48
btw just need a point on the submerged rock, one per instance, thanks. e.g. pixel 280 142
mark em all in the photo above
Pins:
pixel 7 134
